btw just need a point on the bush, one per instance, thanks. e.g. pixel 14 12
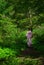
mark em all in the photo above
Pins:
pixel 38 39
pixel 8 32
pixel 22 61
pixel 21 40
pixel 5 53
pixel 3 4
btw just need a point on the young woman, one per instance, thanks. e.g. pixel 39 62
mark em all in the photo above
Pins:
pixel 29 36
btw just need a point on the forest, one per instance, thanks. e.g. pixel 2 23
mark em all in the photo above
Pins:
pixel 16 18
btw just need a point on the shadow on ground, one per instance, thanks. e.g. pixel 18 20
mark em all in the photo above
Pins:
pixel 31 52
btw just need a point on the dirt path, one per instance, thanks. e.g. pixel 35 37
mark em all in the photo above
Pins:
pixel 30 52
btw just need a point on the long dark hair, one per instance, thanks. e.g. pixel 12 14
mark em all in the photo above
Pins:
pixel 30 29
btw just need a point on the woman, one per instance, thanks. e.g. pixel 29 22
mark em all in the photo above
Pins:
pixel 29 36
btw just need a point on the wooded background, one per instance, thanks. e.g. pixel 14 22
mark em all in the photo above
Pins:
pixel 16 17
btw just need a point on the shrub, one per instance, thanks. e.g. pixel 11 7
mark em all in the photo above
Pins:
pixel 38 39
pixel 8 32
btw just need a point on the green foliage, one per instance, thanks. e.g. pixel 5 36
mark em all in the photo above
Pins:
pixel 16 16
pixel 5 53
pixel 3 4
pixel 21 40
pixel 24 61
pixel 38 39
pixel 8 32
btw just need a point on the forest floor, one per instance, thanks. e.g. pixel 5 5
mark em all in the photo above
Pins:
pixel 31 54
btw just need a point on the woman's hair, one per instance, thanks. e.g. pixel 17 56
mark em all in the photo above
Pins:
pixel 30 29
